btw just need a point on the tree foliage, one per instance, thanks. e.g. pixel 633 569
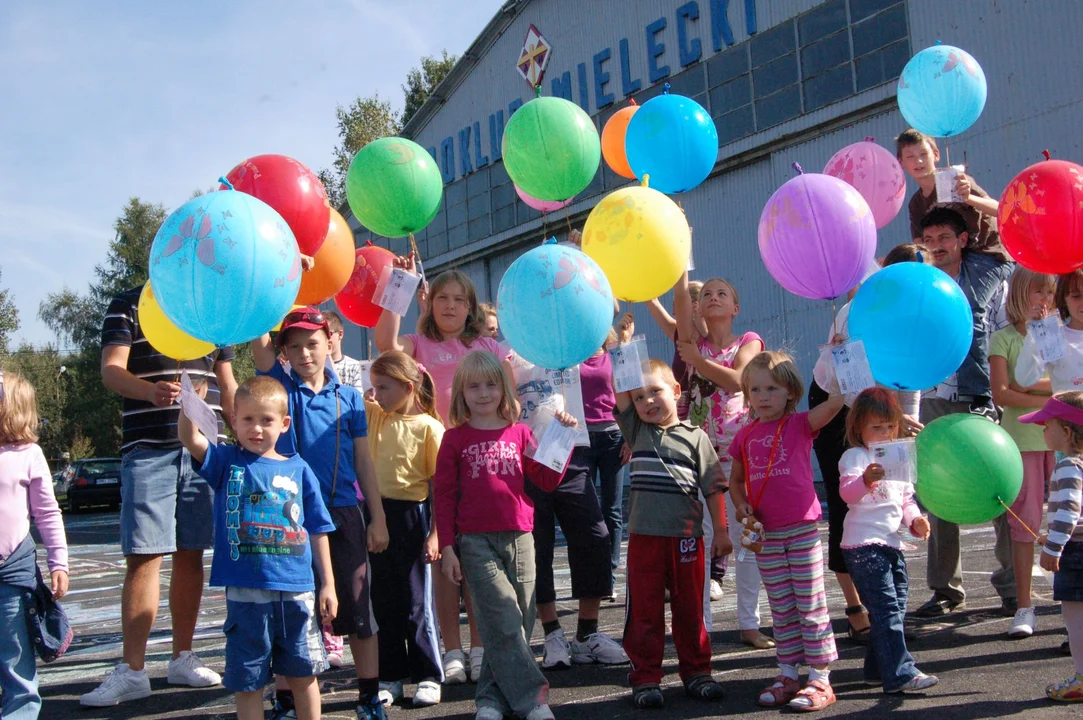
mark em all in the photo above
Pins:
pixel 420 82
pixel 9 318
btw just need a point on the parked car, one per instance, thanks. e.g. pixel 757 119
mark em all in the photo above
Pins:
pixel 96 481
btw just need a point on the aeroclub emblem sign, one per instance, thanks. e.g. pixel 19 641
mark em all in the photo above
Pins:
pixel 534 57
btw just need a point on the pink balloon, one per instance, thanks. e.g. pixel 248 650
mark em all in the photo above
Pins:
pixel 545 206
pixel 875 173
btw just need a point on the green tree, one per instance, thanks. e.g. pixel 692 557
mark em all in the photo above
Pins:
pixel 9 318
pixel 420 82
pixel 365 120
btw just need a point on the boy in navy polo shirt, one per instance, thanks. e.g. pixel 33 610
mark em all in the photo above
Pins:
pixel 329 431
pixel 267 507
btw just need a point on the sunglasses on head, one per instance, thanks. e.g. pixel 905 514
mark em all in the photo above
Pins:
pixel 306 316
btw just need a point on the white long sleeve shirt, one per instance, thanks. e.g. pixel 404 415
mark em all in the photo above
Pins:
pixel 1064 374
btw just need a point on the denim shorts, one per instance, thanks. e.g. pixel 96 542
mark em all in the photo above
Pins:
pixel 268 631
pixel 1068 581
pixel 165 505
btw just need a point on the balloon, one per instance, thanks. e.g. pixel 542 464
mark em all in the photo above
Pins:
pixel 355 300
pixel 817 236
pixel 163 335
pixel 555 306
pixel 941 91
pixel 394 187
pixel 916 325
pixel 965 463
pixel 641 240
pixel 292 190
pixel 613 135
pixel 875 173
pixel 1041 217
pixel 544 206
pixel 334 263
pixel 225 267
pixel 551 149
pixel 674 140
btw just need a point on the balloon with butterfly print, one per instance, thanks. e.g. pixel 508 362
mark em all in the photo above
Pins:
pixel 1041 217
pixel 225 267
pixel 555 306
pixel 875 173
pixel 941 91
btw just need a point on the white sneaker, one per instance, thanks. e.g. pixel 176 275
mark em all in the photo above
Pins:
pixel 598 648
pixel 542 712
pixel 120 685
pixel 921 681
pixel 427 693
pixel 557 655
pixel 390 692
pixel 454 667
pixel 477 657
pixel 188 669
pixel 1023 624
pixel 716 591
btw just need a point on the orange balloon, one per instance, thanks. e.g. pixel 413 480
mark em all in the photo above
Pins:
pixel 613 141
pixel 333 264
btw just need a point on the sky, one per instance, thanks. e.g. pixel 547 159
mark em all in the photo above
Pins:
pixel 106 100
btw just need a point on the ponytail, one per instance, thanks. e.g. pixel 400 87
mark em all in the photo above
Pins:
pixel 426 395
pixel 400 367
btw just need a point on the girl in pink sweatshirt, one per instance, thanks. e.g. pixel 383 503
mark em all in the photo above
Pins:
pixel 26 489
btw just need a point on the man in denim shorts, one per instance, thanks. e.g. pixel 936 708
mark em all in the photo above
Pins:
pixel 166 506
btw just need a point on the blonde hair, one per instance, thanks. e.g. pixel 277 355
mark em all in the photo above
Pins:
pixel 663 369
pixel 486 309
pixel 1021 284
pixel 402 368
pixel 475 321
pixel 264 390
pixel 18 410
pixel 782 370
pixel 480 365
pixel 727 283
pixel 694 289
pixel 334 321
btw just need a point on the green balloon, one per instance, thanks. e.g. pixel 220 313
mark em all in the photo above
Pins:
pixel 394 187
pixel 965 463
pixel 551 149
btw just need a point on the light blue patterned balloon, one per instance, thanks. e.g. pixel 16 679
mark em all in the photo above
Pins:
pixel 942 91
pixel 225 267
pixel 555 306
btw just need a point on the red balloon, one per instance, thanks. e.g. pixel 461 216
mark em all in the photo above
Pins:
pixel 355 300
pixel 292 190
pixel 1041 217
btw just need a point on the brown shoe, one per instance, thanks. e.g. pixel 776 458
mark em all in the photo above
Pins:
pixel 756 639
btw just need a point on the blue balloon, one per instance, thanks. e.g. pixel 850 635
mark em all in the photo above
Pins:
pixel 225 267
pixel 674 140
pixel 942 91
pixel 916 324
pixel 555 306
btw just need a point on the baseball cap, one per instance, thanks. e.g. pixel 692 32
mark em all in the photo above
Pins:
pixel 306 318
pixel 1054 408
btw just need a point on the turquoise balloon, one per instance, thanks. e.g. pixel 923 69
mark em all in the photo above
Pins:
pixel 551 149
pixel 225 267
pixel 674 141
pixel 394 187
pixel 555 306
pixel 942 91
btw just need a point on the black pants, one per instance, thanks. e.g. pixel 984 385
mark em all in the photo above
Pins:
pixel 402 597
pixel 829 446
pixel 575 504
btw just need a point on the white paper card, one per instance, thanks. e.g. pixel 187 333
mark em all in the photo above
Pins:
pixel 537 386
pixel 366 376
pixel 630 363
pixel 691 260
pixel 851 366
pixel 396 289
pixel 197 410
pixel 945 183
pixel 557 440
pixel 1049 338
pixel 898 458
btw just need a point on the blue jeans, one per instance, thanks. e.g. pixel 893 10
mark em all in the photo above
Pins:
pixel 604 456
pixel 18 662
pixel 879 574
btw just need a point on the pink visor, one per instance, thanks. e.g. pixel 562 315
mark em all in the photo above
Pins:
pixel 1054 409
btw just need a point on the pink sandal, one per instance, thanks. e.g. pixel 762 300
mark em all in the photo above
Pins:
pixel 819 695
pixel 782 690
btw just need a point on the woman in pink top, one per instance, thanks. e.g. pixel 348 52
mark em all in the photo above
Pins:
pixel 450 326
pixel 26 489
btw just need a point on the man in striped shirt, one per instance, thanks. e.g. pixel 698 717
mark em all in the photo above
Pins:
pixel 166 506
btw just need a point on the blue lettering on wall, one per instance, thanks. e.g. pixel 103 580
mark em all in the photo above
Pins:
pixel 690 52
pixel 479 159
pixel 627 84
pixel 584 100
pixel 496 134
pixel 562 86
pixel 514 105
pixel 601 79
pixel 721 30
pixel 464 150
pixel 750 16
pixel 447 159
pixel 655 50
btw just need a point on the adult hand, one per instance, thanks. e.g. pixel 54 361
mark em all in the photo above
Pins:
pixel 910 426
pixel 163 394
pixel 60 583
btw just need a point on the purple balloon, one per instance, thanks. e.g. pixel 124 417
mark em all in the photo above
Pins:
pixel 875 173
pixel 545 206
pixel 817 236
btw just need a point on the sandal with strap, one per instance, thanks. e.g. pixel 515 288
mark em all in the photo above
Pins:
pixel 781 691
pixel 1071 690
pixel 861 637
pixel 816 693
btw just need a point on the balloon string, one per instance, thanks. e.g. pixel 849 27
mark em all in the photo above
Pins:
pixel 176 376
pixel 567 219
pixel 225 182
pixel 1017 518
pixel 537 90
pixel 665 89
pixel 420 267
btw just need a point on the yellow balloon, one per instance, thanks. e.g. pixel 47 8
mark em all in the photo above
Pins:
pixel 278 327
pixel 163 335
pixel 641 240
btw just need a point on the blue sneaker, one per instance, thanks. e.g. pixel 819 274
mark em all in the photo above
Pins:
pixel 373 710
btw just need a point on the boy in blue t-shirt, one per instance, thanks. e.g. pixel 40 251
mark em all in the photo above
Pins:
pixel 268 516
pixel 329 431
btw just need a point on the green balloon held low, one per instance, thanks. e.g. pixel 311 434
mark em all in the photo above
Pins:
pixel 394 187
pixel 551 149
pixel 965 463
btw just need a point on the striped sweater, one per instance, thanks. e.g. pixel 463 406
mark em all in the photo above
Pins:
pixel 1065 493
